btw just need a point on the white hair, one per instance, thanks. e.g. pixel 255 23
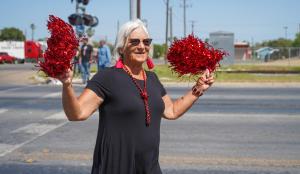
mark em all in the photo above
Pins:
pixel 125 30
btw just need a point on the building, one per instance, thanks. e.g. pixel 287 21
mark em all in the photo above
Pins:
pixel 225 41
pixel 242 51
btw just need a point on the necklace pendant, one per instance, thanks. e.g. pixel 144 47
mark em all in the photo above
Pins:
pixel 144 95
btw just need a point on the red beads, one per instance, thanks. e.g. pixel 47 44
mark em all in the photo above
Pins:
pixel 143 93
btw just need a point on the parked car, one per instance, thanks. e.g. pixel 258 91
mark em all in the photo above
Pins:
pixel 266 53
pixel 6 58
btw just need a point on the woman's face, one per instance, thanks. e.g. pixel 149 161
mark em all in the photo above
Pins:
pixel 137 46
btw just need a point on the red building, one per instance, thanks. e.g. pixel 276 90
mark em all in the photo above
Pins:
pixel 242 51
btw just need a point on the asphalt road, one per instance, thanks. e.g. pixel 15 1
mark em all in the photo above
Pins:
pixel 18 74
pixel 251 129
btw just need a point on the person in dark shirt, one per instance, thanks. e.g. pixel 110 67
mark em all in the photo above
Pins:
pixel 86 51
pixel 131 102
pixel 76 66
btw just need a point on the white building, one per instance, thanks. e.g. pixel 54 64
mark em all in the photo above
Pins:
pixel 225 41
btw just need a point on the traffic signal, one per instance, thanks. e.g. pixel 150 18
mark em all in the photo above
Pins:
pixel 75 19
pixel 90 20
pixel 85 2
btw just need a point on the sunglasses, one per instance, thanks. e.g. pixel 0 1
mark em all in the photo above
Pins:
pixel 136 42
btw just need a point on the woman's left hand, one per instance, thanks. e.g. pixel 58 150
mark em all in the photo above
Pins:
pixel 206 80
pixel 203 83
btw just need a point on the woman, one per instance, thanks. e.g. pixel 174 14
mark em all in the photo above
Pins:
pixel 131 102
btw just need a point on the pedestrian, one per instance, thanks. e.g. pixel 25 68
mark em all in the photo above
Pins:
pixel 103 55
pixel 85 59
pixel 76 64
pixel 131 103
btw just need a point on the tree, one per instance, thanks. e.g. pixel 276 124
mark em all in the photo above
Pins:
pixel 296 42
pixel 281 42
pixel 13 34
pixel 158 50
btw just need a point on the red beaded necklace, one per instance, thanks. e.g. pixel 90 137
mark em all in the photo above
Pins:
pixel 143 93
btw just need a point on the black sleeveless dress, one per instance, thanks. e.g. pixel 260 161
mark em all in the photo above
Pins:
pixel 125 145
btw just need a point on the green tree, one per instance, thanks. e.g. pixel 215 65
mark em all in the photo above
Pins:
pixel 158 51
pixel 296 42
pixel 281 42
pixel 13 34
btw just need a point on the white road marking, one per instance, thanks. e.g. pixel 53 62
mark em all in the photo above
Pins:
pixel 5 147
pixel 13 89
pixel 36 129
pixel 3 111
pixel 57 116
pixel 52 95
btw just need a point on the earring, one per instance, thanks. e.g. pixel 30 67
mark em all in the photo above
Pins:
pixel 150 63
pixel 119 63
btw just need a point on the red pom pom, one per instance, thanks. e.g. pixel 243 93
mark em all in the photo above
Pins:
pixel 62 46
pixel 192 56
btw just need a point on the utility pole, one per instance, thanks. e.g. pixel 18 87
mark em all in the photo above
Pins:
pixel 118 25
pixel 171 25
pixel 167 26
pixel 32 26
pixel 133 9
pixel 192 23
pixel 138 9
pixel 184 17
pixel 285 28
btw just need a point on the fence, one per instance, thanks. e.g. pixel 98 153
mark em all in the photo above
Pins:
pixel 266 54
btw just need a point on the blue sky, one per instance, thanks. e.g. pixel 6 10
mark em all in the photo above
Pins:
pixel 250 20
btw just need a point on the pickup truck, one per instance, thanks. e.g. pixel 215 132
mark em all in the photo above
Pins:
pixel 6 58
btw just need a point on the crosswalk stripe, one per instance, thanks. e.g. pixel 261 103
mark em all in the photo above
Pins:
pixel 5 147
pixel 35 129
pixel 13 89
pixel 52 95
pixel 3 111
pixel 57 116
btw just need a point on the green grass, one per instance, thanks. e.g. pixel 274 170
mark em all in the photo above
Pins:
pixel 263 68
pixel 249 77
pixel 41 74
pixel 166 75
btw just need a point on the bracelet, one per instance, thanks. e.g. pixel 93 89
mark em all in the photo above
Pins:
pixel 197 90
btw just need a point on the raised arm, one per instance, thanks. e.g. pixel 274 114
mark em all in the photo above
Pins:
pixel 78 108
pixel 175 109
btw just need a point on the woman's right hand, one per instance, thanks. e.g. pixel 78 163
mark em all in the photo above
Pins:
pixel 66 78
